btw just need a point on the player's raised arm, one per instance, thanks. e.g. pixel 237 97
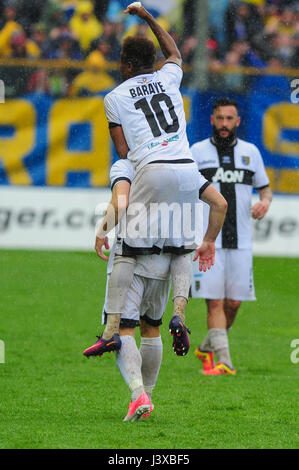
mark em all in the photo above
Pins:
pixel 167 44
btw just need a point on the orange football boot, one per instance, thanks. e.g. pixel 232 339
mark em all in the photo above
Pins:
pixel 207 359
pixel 220 369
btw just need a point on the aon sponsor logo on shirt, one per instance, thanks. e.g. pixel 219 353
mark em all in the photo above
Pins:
pixel 228 176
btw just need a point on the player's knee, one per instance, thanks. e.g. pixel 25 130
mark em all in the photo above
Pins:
pixel 125 331
pixel 149 331
pixel 233 305
pixel 214 306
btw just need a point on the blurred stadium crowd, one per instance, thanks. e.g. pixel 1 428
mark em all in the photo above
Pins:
pixel 252 33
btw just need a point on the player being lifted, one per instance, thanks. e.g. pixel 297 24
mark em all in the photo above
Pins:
pixel 147 125
pixel 147 296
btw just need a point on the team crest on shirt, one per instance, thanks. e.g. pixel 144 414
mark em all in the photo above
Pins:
pixel 245 160
pixel 142 80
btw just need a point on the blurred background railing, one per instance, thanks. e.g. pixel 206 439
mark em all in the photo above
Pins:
pixel 23 76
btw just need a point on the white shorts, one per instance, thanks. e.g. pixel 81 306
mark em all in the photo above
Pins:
pixel 231 277
pixel 146 299
pixel 164 211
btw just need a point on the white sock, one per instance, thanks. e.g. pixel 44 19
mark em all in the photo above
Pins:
pixel 206 345
pixel 219 343
pixel 151 350
pixel 129 361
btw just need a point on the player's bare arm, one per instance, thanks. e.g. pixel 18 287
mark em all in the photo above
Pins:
pixel 260 209
pixel 120 143
pixel 115 210
pixel 218 208
pixel 167 44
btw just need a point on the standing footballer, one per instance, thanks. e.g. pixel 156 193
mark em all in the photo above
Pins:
pixel 234 167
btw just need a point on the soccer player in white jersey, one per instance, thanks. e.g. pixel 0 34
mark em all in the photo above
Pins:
pixel 234 167
pixel 147 125
pixel 147 297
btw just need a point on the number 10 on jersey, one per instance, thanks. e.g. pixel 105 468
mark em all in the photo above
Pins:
pixel 155 116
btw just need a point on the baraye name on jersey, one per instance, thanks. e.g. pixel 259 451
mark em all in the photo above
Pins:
pixel 147 89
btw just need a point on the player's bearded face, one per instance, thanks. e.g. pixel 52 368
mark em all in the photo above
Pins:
pixel 223 136
pixel 225 121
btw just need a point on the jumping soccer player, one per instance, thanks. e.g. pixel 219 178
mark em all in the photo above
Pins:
pixel 234 167
pixel 147 296
pixel 147 125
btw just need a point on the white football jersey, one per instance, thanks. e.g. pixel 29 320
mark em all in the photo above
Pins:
pixel 234 171
pixel 150 110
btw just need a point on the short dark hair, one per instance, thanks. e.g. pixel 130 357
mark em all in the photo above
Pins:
pixel 141 52
pixel 225 102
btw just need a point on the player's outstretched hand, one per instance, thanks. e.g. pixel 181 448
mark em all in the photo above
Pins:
pixel 260 209
pixel 136 9
pixel 206 254
pixel 99 243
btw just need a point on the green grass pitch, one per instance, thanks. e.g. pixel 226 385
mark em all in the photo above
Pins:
pixel 53 397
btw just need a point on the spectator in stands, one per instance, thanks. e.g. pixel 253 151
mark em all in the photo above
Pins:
pixel 9 27
pixel 217 11
pixel 106 50
pixel 85 25
pixel 93 80
pixel 69 8
pixel 53 15
pixel 64 46
pixel 40 38
pixel 256 35
pixel 16 77
pixel 53 82
pixel 242 22
pixel 57 83
pixel 100 8
pixel 22 47
pixel 29 13
pixel 187 49
pixel 38 81
pixel 61 28
pixel 282 24
pixel 233 81
pixel 109 40
pixel 284 48
pixel 295 57
pixel 249 56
